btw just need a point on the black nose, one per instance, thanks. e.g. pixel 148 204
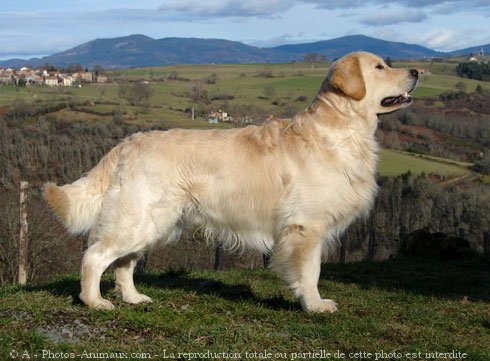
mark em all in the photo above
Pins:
pixel 414 72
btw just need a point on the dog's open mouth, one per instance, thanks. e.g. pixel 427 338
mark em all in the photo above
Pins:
pixel 398 100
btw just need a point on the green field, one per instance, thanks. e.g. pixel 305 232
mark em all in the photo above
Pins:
pixel 393 163
pixel 399 307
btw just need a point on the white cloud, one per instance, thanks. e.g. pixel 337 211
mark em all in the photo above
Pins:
pixel 344 4
pixel 441 39
pixel 389 17
pixel 226 8
pixel 352 4
pixel 468 4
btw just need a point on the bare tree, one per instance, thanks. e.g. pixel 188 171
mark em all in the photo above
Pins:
pixel 135 93
pixel 199 91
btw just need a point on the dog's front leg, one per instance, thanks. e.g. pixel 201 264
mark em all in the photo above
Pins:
pixel 297 259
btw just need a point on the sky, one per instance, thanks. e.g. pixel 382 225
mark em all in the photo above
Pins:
pixel 34 28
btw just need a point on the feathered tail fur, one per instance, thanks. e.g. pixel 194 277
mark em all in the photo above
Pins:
pixel 78 204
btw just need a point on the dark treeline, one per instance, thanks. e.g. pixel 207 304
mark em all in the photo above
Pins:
pixel 21 110
pixel 409 203
pixel 474 70
pixel 477 101
pixel 43 149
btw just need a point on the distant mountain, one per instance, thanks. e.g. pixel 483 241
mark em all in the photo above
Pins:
pixel 14 63
pixel 336 48
pixel 143 51
pixel 474 50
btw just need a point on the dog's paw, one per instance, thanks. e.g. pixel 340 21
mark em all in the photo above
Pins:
pixel 102 304
pixel 328 306
pixel 322 306
pixel 136 298
pixel 97 303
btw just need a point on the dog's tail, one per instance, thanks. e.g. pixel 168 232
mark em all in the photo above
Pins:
pixel 78 205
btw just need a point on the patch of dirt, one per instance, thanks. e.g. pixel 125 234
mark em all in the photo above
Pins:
pixel 67 326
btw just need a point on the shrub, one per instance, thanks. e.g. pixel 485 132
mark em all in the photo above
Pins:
pixel 223 97
pixel 422 243
pixel 211 79
pixel 264 73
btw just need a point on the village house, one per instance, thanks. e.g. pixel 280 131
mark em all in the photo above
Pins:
pixel 101 78
pixel 478 58
pixel 34 79
pixel 51 80
pixel 218 116
pixel 83 77
pixel 26 72
pixel 66 80
pixel 54 73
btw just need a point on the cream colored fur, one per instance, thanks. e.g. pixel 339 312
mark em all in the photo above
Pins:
pixel 287 187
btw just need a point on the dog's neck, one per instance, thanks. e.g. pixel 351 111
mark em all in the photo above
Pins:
pixel 342 133
pixel 334 110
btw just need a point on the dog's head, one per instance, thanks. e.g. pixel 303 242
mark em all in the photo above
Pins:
pixel 367 82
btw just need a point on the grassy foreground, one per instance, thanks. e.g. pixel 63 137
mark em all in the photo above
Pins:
pixel 396 310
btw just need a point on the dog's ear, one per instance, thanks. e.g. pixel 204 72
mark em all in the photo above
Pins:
pixel 347 77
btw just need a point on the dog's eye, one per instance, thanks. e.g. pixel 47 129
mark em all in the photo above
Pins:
pixel 380 66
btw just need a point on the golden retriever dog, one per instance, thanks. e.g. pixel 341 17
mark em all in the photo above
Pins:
pixel 287 188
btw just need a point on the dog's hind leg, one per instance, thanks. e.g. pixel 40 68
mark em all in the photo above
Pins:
pixel 121 238
pixel 297 259
pixel 124 268
pixel 100 255
pixel 95 261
